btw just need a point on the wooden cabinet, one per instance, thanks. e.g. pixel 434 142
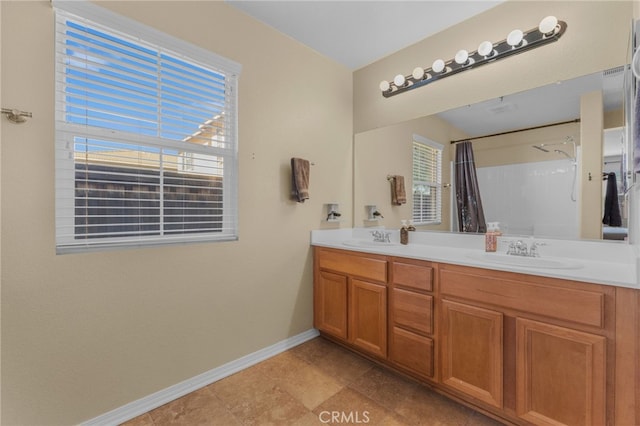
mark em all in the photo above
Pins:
pixel 351 299
pixel 411 322
pixel 525 348
pixel 560 375
pixel 533 347
pixel 472 351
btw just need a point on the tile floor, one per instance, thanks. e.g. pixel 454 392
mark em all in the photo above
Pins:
pixel 307 385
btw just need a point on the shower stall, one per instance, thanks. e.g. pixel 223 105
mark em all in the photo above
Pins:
pixel 537 198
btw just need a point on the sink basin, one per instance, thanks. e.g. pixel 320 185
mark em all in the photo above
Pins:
pixel 527 262
pixel 367 243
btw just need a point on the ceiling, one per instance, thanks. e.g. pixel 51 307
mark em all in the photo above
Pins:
pixel 357 33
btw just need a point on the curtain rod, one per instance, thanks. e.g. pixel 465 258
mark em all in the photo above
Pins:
pixel 577 120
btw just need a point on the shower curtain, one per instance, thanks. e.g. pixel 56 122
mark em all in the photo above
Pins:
pixel 470 213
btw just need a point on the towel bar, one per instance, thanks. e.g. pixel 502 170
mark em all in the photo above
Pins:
pixel 15 115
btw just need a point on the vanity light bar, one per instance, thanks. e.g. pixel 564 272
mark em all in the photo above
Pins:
pixel 549 30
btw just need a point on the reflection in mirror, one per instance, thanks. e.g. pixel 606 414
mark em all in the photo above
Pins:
pixel 540 158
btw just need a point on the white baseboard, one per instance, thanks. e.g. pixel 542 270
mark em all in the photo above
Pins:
pixel 148 403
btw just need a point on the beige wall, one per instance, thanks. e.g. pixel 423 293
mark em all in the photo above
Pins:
pixel 86 333
pixel 613 119
pixel 586 47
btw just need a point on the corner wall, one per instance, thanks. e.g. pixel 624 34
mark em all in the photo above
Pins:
pixel 83 334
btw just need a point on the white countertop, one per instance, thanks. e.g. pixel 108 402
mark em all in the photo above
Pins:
pixel 600 262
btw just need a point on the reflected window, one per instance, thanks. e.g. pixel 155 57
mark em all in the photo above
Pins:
pixel 427 180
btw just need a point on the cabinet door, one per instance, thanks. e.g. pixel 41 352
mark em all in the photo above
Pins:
pixel 368 317
pixel 472 351
pixel 560 375
pixel 331 304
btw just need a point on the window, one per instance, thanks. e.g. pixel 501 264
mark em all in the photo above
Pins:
pixel 146 136
pixel 427 180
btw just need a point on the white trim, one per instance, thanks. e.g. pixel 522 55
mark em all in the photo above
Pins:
pixel 429 142
pixel 144 33
pixel 437 185
pixel 155 400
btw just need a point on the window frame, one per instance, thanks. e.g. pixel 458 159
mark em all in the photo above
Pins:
pixel 97 17
pixel 435 186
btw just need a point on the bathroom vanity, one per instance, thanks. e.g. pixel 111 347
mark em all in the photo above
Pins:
pixel 525 345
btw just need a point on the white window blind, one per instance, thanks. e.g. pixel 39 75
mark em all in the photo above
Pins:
pixel 146 136
pixel 427 181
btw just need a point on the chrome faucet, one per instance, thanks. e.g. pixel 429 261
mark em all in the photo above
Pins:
pixel 381 236
pixel 533 250
pixel 520 248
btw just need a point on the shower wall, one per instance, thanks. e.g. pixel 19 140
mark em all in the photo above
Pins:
pixel 531 198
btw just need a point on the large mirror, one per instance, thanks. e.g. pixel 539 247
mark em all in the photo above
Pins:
pixel 541 157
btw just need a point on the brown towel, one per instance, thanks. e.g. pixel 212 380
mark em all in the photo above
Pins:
pixel 398 193
pixel 299 179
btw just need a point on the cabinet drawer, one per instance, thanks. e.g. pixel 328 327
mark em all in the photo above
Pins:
pixel 568 304
pixel 412 310
pixel 413 276
pixel 372 268
pixel 412 351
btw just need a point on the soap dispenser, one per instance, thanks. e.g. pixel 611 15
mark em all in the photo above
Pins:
pixel 491 238
pixel 404 233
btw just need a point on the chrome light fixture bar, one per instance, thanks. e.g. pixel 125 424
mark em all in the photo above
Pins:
pixel 549 30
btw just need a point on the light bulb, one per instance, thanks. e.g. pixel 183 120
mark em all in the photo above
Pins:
pixel 485 48
pixel 548 24
pixel 514 38
pixel 418 73
pixel 438 65
pixel 398 80
pixel 461 57
pixel 384 85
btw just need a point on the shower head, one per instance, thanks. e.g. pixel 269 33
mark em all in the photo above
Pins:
pixel 559 151
pixel 540 147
